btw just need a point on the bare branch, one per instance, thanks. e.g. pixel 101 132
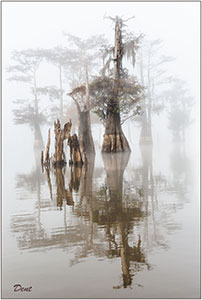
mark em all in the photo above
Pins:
pixel 126 20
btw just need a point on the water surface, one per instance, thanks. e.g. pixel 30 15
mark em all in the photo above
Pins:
pixel 127 226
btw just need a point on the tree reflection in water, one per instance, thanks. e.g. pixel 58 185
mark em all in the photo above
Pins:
pixel 108 209
pixel 63 194
pixel 117 219
pixel 29 224
pixel 149 184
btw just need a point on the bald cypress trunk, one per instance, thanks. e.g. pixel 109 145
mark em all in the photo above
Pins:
pixel 61 95
pixel 60 136
pixel 38 139
pixel 75 152
pixel 85 134
pixel 114 138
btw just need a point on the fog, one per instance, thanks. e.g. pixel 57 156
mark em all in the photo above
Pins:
pixel 136 211
pixel 41 25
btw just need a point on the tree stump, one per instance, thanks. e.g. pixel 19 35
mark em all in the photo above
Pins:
pixel 75 152
pixel 60 136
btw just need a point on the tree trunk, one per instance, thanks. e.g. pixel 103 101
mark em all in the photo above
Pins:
pixel 149 130
pixel 146 132
pixel 38 140
pixel 85 134
pixel 61 94
pixel 60 136
pixel 47 158
pixel 75 152
pixel 36 105
pixel 114 138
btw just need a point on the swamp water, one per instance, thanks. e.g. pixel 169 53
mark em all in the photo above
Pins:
pixel 125 227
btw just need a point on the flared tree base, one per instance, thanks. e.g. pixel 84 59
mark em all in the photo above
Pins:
pixel 114 143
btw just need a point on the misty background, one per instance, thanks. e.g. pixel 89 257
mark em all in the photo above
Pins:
pixel 169 167
pixel 42 25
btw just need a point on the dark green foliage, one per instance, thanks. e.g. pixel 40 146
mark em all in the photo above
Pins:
pixel 117 93
pixel 130 92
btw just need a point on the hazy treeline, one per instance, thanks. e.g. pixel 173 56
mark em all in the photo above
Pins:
pixel 87 71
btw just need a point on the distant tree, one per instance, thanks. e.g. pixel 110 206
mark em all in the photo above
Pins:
pixel 60 57
pixel 24 69
pixel 180 108
pixel 52 108
pixel 87 54
pixel 152 74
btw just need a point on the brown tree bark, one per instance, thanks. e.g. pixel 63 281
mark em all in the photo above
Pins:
pixel 76 172
pixel 47 158
pixel 114 138
pixel 85 133
pixel 115 166
pixel 60 136
pixel 75 152
pixel 62 192
pixel 84 126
